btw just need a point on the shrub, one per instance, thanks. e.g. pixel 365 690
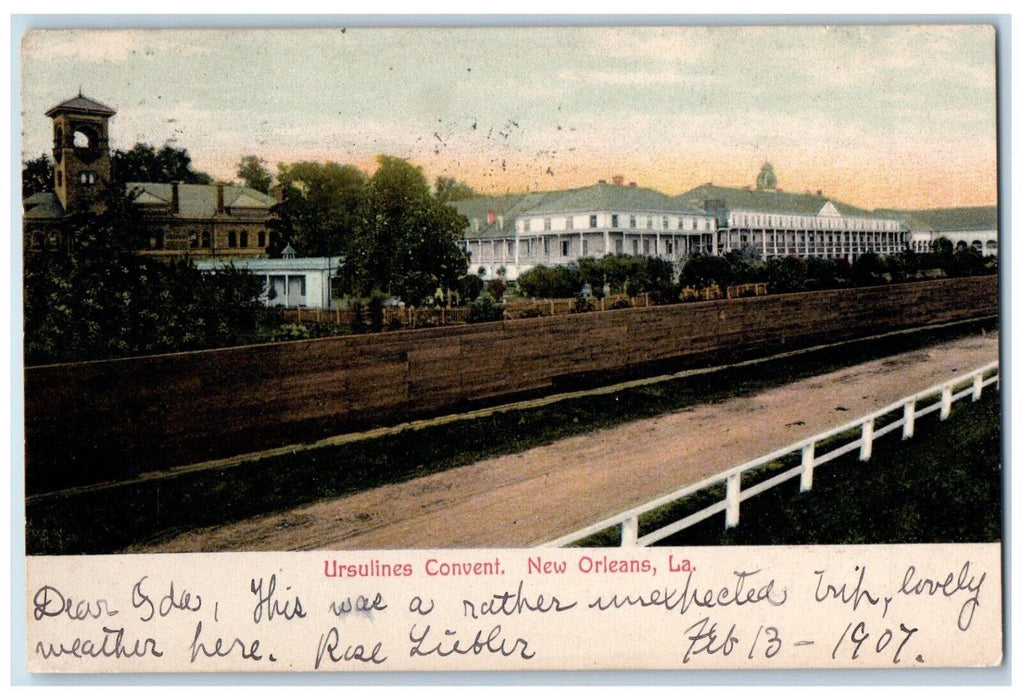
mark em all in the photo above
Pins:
pixel 485 309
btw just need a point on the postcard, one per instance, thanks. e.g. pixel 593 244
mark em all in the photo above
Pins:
pixel 511 348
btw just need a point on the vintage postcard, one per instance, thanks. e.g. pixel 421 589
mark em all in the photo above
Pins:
pixel 511 348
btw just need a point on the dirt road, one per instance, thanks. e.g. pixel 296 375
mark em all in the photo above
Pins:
pixel 533 497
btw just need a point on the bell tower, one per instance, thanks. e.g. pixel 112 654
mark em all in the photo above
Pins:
pixel 81 149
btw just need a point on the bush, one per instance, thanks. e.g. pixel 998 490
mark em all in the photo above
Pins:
pixel 621 304
pixel 485 309
pixel 469 288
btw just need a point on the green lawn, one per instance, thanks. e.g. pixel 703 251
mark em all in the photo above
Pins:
pixel 943 485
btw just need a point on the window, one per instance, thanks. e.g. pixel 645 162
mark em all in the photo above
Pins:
pixel 569 223
pixel 619 247
pixel 646 247
pixel 60 179
pixel 592 221
pixel 527 225
pixel 206 239
pixel 244 239
pixel 546 247
pixel 665 224
pixel 670 247
pixel 262 239
pixel 546 224
pixel 193 240
pixel 635 246
pixel 631 221
pixel 649 222
pixel 232 239
pixel 510 248
pixel 613 220
pixel 87 177
pixel 585 247
pixel 565 248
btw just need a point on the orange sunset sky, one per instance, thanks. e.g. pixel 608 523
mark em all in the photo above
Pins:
pixel 877 116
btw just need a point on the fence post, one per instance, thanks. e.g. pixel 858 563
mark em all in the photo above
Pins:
pixel 909 429
pixel 734 492
pixel 808 462
pixel 629 531
pixel 977 386
pixel 299 314
pixel 338 315
pixel 866 450
pixel 945 402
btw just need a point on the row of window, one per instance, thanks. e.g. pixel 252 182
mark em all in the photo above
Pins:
pixel 85 177
pixel 531 248
pixel 813 222
pixel 801 238
pixel 682 223
pixel 235 239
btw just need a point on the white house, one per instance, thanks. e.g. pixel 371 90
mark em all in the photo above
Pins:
pixel 512 233
pixel 290 282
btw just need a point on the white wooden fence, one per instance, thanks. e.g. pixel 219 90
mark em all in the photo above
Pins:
pixel 866 430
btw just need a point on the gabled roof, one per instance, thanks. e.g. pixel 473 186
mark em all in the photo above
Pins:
pixel 199 201
pixel 81 105
pixel 612 198
pixel 42 205
pixel 601 197
pixel 768 201
pixel 948 219
pixel 505 207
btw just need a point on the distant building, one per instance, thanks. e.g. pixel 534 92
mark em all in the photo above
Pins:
pixel 513 233
pixel 963 226
pixel 195 220
pixel 289 282
pixel 771 223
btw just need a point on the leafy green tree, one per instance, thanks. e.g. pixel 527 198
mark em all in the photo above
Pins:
pixel 252 171
pixel 405 239
pixel 867 270
pixel 469 288
pixel 544 282
pixel 36 176
pixel 320 207
pixel 99 299
pixel 788 274
pixel 450 190
pixel 702 271
pixel 143 163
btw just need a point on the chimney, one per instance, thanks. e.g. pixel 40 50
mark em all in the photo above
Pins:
pixel 633 184
pixel 491 217
pixel 819 193
pixel 619 180
pixel 175 201
pixel 220 198
pixel 602 182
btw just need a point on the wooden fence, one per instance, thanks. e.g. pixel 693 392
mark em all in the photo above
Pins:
pixel 91 422
pixel 865 427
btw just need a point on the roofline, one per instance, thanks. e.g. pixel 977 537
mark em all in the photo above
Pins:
pixel 63 107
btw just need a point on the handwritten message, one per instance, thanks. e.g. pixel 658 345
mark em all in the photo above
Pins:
pixel 907 606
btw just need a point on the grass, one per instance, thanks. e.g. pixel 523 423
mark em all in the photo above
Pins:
pixel 943 485
pixel 107 519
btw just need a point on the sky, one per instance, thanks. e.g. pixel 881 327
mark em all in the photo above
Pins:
pixel 876 116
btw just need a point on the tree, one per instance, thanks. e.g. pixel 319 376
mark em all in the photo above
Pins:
pixel 143 163
pixel 405 238
pixel 252 172
pixel 99 299
pixel 450 190
pixel 36 176
pixel 320 207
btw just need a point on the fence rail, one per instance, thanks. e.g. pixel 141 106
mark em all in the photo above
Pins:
pixel 865 427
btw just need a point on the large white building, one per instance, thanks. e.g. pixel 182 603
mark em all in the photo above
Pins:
pixel 772 223
pixel 510 234
pixel 963 226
